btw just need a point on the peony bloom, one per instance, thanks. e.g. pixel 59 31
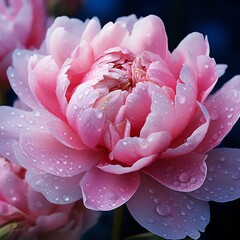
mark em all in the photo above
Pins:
pixel 32 216
pixel 113 117
pixel 22 25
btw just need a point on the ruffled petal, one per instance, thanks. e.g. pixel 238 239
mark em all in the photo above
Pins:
pixel 223 176
pixel 105 191
pixel 185 173
pixel 169 214
pixel 57 190
pixel 224 110
pixel 51 156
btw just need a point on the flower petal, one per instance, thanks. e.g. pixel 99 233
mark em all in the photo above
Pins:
pixel 14 122
pixel 169 214
pixel 154 38
pixel 185 173
pixel 56 189
pixel 223 176
pixel 48 154
pixel 105 191
pixel 224 110
pixel 18 77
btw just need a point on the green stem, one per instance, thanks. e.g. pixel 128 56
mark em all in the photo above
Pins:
pixel 117 222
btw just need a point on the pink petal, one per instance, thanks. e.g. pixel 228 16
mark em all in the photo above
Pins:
pixel 224 110
pixel 169 214
pixel 154 38
pixel 14 122
pixel 129 150
pixel 129 20
pixel 185 173
pixel 195 44
pixel 137 107
pixel 18 77
pixel 42 80
pixel 84 97
pixel 90 126
pixel 13 190
pixel 57 190
pixel 207 76
pixel 106 191
pixel 106 166
pixel 106 38
pixel 51 156
pixel 223 176
pixel 64 134
pixel 192 136
pixel 38 204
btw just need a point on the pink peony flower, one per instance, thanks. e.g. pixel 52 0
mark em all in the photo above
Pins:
pixel 32 216
pixel 22 25
pixel 115 118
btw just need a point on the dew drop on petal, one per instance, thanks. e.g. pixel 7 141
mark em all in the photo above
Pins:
pixel 66 198
pixel 184 177
pixel 163 210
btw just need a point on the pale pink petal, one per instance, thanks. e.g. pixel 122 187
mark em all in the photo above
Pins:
pixel 192 136
pixel 42 80
pixel 64 134
pixel 105 191
pixel 207 76
pixel 107 39
pixel 185 173
pixel 221 68
pixel 38 204
pixel 223 176
pixel 84 97
pixel 154 38
pixel 49 223
pixel 138 107
pixel 129 150
pixel 167 213
pixel 51 156
pixel 15 122
pixel 224 110
pixel 56 189
pixel 13 190
pixel 90 126
pixel 107 166
pixel 7 210
pixel 18 77
pixel 129 20
pixel 195 44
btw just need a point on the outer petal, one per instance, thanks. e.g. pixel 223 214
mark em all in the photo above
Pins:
pixel 14 122
pixel 185 173
pixel 46 153
pixel 167 213
pixel 106 191
pixel 223 176
pixel 56 190
pixel 18 77
pixel 224 110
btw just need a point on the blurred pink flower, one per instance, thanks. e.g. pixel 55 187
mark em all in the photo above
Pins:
pixel 116 118
pixel 32 215
pixel 22 25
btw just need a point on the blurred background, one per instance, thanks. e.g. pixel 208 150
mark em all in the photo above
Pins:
pixel 220 21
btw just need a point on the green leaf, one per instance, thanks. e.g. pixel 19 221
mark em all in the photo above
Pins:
pixel 6 230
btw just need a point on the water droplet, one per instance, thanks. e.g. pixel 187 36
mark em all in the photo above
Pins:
pixel 184 177
pixel 151 220
pixel 157 200
pixel 183 213
pixel 181 99
pixel 163 210
pixel 99 114
pixel 66 198
pixel 204 218
pixel 229 115
pixel 236 176
pixel 152 190
pixel 214 115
